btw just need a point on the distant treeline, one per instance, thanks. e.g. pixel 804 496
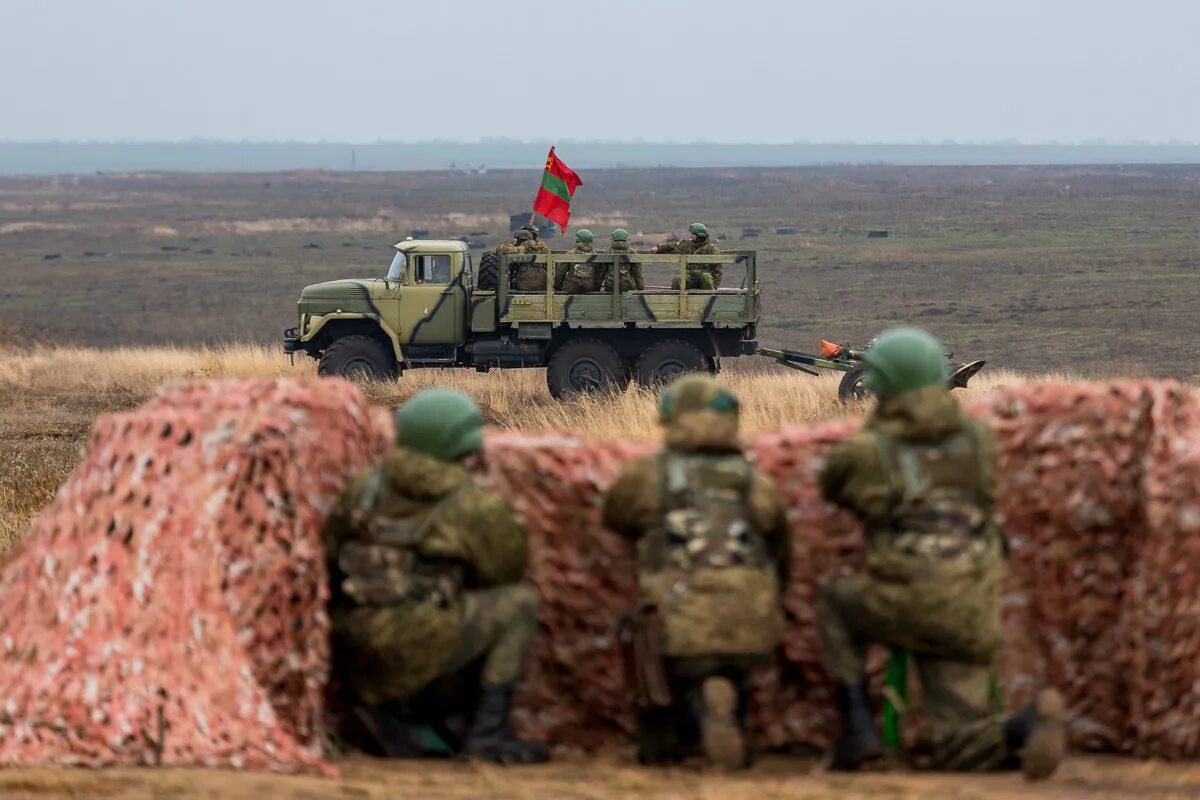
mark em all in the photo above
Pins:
pixel 56 158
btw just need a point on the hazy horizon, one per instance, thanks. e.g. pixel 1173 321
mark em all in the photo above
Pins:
pixel 659 71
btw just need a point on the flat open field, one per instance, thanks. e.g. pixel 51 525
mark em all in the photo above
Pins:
pixel 609 777
pixel 1088 270
pixel 111 285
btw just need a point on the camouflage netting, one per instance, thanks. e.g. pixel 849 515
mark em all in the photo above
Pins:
pixel 167 607
pixel 1101 498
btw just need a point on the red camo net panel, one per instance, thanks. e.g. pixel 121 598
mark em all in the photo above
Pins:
pixel 168 606
pixel 1100 494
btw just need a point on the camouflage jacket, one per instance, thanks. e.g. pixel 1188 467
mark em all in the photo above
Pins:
pixel 722 603
pixel 535 246
pixel 706 248
pixel 576 277
pixel 922 478
pixel 469 540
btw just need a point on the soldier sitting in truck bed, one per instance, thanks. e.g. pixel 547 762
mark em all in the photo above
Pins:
pixel 525 277
pixel 577 278
pixel 630 273
pixel 699 276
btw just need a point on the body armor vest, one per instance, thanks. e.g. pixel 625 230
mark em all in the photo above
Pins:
pixel 706 517
pixel 385 566
pixel 940 511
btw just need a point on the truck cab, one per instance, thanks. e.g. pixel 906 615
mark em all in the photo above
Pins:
pixel 414 315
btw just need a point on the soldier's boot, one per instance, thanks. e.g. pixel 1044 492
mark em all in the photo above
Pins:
pixel 719 728
pixel 393 737
pixel 658 738
pixel 492 739
pixel 1036 735
pixel 859 740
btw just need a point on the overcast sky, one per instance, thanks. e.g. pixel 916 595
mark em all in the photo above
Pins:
pixel 718 70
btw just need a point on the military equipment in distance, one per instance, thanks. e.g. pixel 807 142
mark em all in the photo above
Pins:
pixel 435 308
pixel 843 358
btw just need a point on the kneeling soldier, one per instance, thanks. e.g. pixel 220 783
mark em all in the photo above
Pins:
pixel 425 570
pixel 711 547
pixel 922 478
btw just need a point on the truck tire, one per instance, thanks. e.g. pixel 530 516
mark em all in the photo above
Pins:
pixel 584 366
pixel 489 271
pixel 357 356
pixel 663 362
pixel 851 388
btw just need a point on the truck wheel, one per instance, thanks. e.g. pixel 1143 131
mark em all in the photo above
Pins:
pixel 359 357
pixel 489 271
pixel 851 388
pixel 663 362
pixel 584 366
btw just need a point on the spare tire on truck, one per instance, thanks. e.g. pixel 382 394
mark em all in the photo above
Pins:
pixel 489 271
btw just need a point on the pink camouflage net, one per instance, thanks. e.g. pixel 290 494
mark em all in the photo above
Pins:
pixel 167 607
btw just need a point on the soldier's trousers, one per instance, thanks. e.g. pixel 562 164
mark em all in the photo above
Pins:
pixel 696 279
pixel 664 733
pixel 499 626
pixel 966 732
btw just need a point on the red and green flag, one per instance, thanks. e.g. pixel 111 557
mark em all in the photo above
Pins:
pixel 553 199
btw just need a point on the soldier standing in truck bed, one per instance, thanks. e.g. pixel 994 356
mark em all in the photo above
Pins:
pixel 699 276
pixel 922 478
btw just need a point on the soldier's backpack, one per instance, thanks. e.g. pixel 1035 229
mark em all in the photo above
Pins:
pixel 939 509
pixel 707 521
pixel 386 567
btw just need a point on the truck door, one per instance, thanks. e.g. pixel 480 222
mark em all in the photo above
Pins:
pixel 433 303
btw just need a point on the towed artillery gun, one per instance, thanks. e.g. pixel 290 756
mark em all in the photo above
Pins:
pixel 435 308
pixel 845 359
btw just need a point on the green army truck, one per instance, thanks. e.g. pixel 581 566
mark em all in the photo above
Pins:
pixel 435 308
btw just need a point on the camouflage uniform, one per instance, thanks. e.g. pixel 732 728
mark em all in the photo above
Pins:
pixel 630 274
pixel 699 276
pixel 526 277
pixel 425 570
pixel 923 478
pixel 576 278
pixel 465 601
pixel 711 548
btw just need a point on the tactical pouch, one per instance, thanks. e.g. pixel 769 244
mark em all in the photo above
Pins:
pixel 641 637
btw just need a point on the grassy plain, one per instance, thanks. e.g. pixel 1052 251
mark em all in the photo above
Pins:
pixel 1094 270
pixel 113 285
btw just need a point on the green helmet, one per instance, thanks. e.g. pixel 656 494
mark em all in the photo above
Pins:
pixel 694 392
pixel 523 235
pixel 698 228
pixel 620 235
pixel 533 231
pixel 583 235
pixel 903 359
pixel 443 423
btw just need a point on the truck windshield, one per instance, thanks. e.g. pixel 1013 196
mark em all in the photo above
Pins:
pixel 396 270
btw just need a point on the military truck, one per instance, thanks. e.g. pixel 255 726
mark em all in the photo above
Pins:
pixel 435 308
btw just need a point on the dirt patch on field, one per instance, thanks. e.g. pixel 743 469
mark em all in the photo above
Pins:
pixel 610 778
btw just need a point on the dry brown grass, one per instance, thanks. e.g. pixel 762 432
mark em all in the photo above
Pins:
pixel 50 397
